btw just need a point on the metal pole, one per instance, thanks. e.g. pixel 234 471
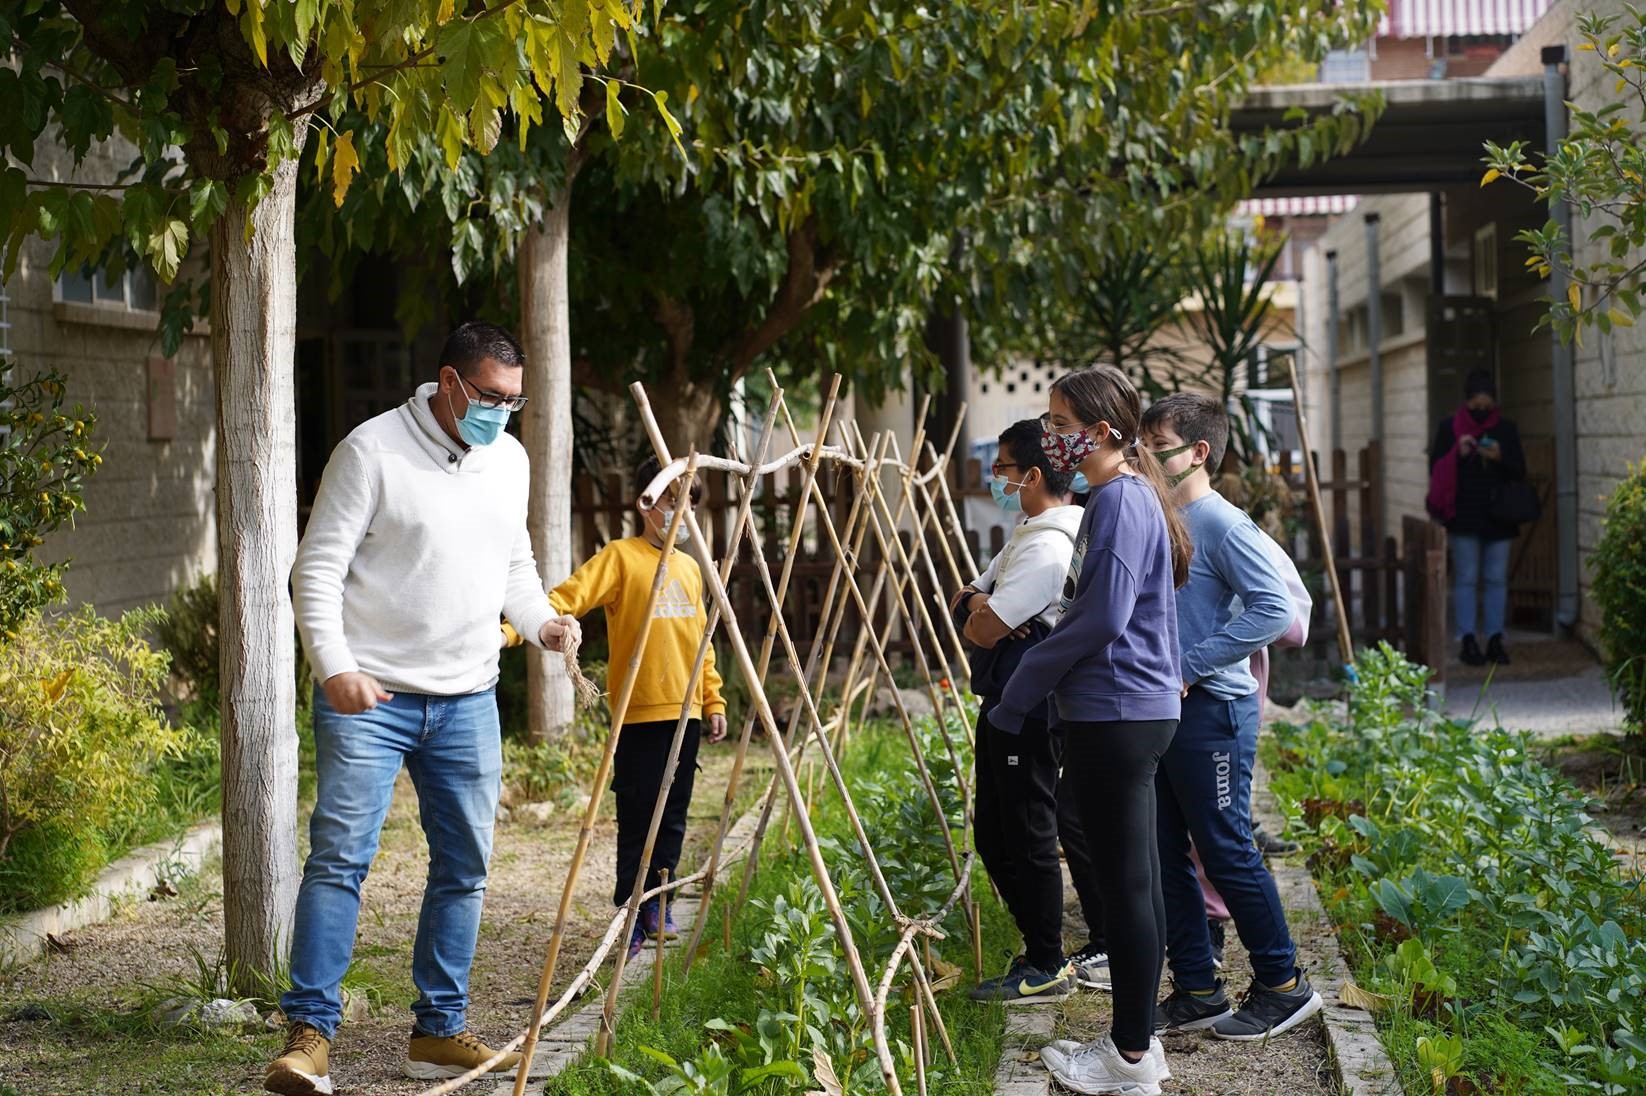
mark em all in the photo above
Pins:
pixel 1374 337
pixel 1333 372
pixel 1562 366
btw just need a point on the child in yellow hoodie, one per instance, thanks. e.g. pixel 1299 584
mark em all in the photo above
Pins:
pixel 619 578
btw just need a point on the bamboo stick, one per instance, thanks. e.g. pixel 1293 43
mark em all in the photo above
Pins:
pixel 956 529
pixel 820 871
pixel 657 965
pixel 917 1031
pixel 585 833
pixel 1345 643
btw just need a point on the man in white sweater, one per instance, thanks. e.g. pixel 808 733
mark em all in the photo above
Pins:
pixel 416 546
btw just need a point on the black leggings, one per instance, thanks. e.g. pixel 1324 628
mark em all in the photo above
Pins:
pixel 1014 826
pixel 1110 769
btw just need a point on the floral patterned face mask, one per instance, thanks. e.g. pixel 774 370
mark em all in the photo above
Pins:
pixel 1066 451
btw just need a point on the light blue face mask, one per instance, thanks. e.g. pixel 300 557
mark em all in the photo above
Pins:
pixel 479 425
pixel 1078 485
pixel 1012 504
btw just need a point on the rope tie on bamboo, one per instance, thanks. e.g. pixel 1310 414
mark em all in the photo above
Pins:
pixel 586 691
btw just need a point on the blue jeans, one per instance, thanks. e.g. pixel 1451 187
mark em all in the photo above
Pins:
pixel 1204 791
pixel 1476 561
pixel 450 746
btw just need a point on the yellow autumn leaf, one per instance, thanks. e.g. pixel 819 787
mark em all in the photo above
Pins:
pixel 344 164
pixel 1490 176
pixel 1574 297
pixel 55 688
pixel 1587 46
pixel 1611 50
pixel 448 8
pixel 1621 318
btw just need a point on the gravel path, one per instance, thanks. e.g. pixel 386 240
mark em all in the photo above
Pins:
pixel 1553 687
pixel 63 1020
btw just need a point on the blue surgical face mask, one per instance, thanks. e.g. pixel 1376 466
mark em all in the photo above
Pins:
pixel 1078 485
pixel 479 425
pixel 1013 503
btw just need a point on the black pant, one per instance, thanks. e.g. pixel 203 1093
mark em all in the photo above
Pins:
pixel 637 774
pixel 1015 830
pixel 1072 836
pixel 1111 767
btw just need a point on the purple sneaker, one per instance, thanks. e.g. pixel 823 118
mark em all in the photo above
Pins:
pixel 649 921
pixel 637 939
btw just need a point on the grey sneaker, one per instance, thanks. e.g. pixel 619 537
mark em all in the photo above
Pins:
pixel 1100 1068
pixel 1025 983
pixel 1185 1011
pixel 1265 1013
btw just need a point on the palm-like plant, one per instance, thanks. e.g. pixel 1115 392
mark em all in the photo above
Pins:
pixel 1230 275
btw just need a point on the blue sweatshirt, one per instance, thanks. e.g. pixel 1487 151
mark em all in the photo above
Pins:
pixel 1113 655
pixel 1235 603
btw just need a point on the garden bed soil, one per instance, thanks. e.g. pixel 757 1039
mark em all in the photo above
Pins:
pixel 76 1022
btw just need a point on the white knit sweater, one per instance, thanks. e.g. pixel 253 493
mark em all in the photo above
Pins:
pixel 414 549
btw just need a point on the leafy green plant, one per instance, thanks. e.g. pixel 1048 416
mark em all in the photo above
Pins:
pixel 1598 170
pixel 188 632
pixel 1618 565
pixel 45 456
pixel 1466 878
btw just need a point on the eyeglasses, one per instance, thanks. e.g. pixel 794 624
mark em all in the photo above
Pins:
pixel 1050 427
pixel 486 398
pixel 995 469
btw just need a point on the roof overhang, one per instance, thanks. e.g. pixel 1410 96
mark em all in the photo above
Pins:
pixel 1430 136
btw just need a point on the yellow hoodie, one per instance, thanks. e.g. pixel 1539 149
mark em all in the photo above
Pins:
pixel 619 579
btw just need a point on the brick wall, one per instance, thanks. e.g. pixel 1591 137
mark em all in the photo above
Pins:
pixel 149 522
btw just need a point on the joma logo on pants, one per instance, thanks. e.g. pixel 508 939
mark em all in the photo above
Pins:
pixel 1223 796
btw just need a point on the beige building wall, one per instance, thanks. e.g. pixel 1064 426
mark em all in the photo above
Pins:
pixel 1610 371
pixel 149 520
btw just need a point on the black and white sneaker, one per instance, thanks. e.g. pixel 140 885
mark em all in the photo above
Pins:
pixel 1025 982
pixel 1185 1011
pixel 1091 968
pixel 1219 938
pixel 1265 1013
pixel 1270 845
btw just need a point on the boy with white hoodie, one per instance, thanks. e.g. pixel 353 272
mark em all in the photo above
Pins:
pixel 1011 606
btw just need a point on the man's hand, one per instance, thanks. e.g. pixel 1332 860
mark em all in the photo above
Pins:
pixel 354 692
pixel 555 632
pixel 717 727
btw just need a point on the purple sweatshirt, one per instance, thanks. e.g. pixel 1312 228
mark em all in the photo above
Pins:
pixel 1113 655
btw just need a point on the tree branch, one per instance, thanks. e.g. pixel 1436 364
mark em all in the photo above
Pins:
pixel 804 283
pixel 78 77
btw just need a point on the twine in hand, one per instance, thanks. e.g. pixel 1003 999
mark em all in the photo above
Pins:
pixel 586 692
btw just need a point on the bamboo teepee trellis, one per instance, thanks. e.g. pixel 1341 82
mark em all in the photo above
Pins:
pixel 810 736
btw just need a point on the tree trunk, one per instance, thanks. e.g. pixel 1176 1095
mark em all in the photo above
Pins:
pixel 253 325
pixel 688 414
pixel 546 430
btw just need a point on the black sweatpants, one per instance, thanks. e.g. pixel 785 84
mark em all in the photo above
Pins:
pixel 1110 767
pixel 1015 830
pixel 1077 852
pixel 637 773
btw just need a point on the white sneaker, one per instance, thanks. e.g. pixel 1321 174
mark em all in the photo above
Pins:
pixel 1065 1047
pixel 1100 1068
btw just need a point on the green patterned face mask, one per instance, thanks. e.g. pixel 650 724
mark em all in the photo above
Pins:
pixel 1164 455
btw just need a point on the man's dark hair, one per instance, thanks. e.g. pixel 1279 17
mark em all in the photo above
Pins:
pixel 1193 418
pixel 649 469
pixel 477 340
pixel 1021 442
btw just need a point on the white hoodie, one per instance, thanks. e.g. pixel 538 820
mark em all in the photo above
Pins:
pixel 415 548
pixel 1026 579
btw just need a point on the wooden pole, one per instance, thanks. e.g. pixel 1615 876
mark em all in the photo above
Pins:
pixel 620 708
pixel 820 870
pixel 918 1031
pixel 1345 644
pixel 657 965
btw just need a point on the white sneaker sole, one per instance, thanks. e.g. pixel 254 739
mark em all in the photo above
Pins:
pixel 1314 1005
pixel 1114 1088
pixel 294 1082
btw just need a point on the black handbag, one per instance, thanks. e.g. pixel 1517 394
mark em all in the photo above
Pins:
pixel 1515 503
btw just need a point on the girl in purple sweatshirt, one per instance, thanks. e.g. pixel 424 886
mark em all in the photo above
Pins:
pixel 1111 668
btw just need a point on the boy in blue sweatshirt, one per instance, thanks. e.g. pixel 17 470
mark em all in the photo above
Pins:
pixel 1235 603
